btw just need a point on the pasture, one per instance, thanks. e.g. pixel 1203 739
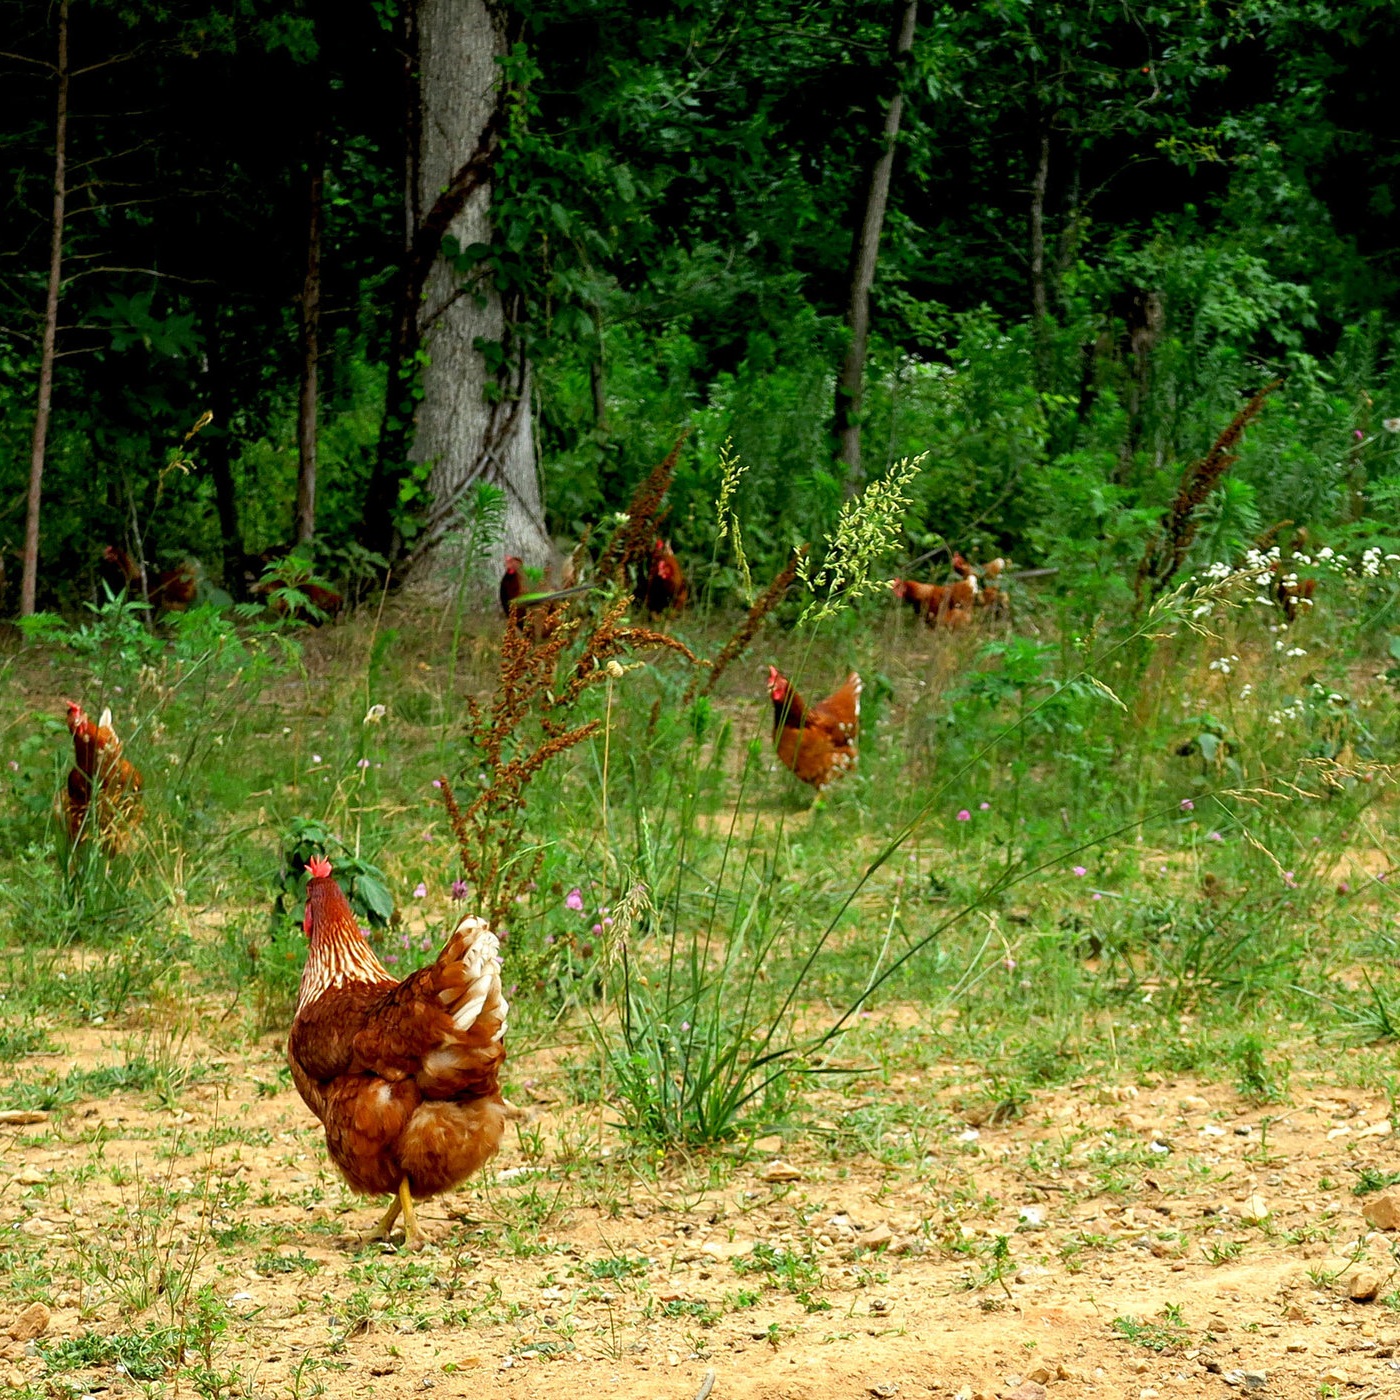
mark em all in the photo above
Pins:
pixel 1051 1047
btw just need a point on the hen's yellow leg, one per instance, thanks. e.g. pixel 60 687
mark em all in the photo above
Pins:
pixel 381 1231
pixel 413 1236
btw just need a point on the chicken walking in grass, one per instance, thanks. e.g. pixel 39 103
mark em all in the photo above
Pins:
pixel 405 1076
pixel 172 590
pixel 940 605
pixel 103 793
pixel 663 590
pixel 818 742
pixel 512 583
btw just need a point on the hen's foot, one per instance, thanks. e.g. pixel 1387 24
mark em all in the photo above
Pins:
pixel 386 1224
pixel 413 1237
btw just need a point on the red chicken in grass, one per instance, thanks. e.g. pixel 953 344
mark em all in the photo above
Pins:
pixel 405 1076
pixel 103 792
pixel 512 583
pixel 1291 592
pixel 665 583
pixel 990 596
pixel 171 589
pixel 818 742
pixel 939 604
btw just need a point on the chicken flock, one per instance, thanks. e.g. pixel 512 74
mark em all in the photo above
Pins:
pixel 405 1075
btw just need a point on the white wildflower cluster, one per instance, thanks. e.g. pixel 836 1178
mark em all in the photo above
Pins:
pixel 1317 699
pixel 1260 568
pixel 1260 562
pixel 1224 664
pixel 1280 645
pixel 1371 562
pixel 1276 579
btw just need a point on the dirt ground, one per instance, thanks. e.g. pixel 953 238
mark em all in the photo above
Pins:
pixel 1114 1240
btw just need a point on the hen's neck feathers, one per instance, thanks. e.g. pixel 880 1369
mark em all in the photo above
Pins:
pixel 789 712
pixel 339 953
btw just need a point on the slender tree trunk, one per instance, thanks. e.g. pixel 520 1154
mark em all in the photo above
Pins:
pixel 218 451
pixel 29 579
pixel 850 383
pixel 310 347
pixel 396 427
pixel 598 376
pixel 474 421
pixel 1040 298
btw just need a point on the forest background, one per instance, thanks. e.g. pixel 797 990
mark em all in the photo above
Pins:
pixel 1105 224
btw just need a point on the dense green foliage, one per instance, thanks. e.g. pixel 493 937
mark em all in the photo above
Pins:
pixel 675 203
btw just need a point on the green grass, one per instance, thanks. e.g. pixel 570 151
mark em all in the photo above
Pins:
pixel 1040 866
pixel 1170 1333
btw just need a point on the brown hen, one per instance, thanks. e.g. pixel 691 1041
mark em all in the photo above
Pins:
pixel 664 587
pixel 103 791
pixel 512 583
pixel 405 1076
pixel 940 605
pixel 818 742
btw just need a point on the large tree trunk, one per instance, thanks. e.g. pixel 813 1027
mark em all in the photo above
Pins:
pixel 29 580
pixel 850 383
pixel 310 347
pixel 474 422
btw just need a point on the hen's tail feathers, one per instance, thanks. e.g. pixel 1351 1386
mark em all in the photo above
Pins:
pixel 470 979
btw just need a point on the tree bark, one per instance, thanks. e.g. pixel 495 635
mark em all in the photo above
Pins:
pixel 598 375
pixel 850 383
pixel 43 405
pixel 1040 297
pixel 474 419
pixel 310 347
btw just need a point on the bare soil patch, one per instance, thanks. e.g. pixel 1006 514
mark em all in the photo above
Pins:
pixel 1119 1240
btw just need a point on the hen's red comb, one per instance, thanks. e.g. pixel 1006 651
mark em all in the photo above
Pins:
pixel 319 867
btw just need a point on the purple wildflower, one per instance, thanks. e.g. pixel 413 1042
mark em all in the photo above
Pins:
pixel 1289 880
pixel 597 928
pixel 1215 836
pixel 1080 871
pixel 574 899
pixel 437 782
pixel 964 815
pixel 1187 805
pixel 459 889
pixel 984 806
pixel 420 891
